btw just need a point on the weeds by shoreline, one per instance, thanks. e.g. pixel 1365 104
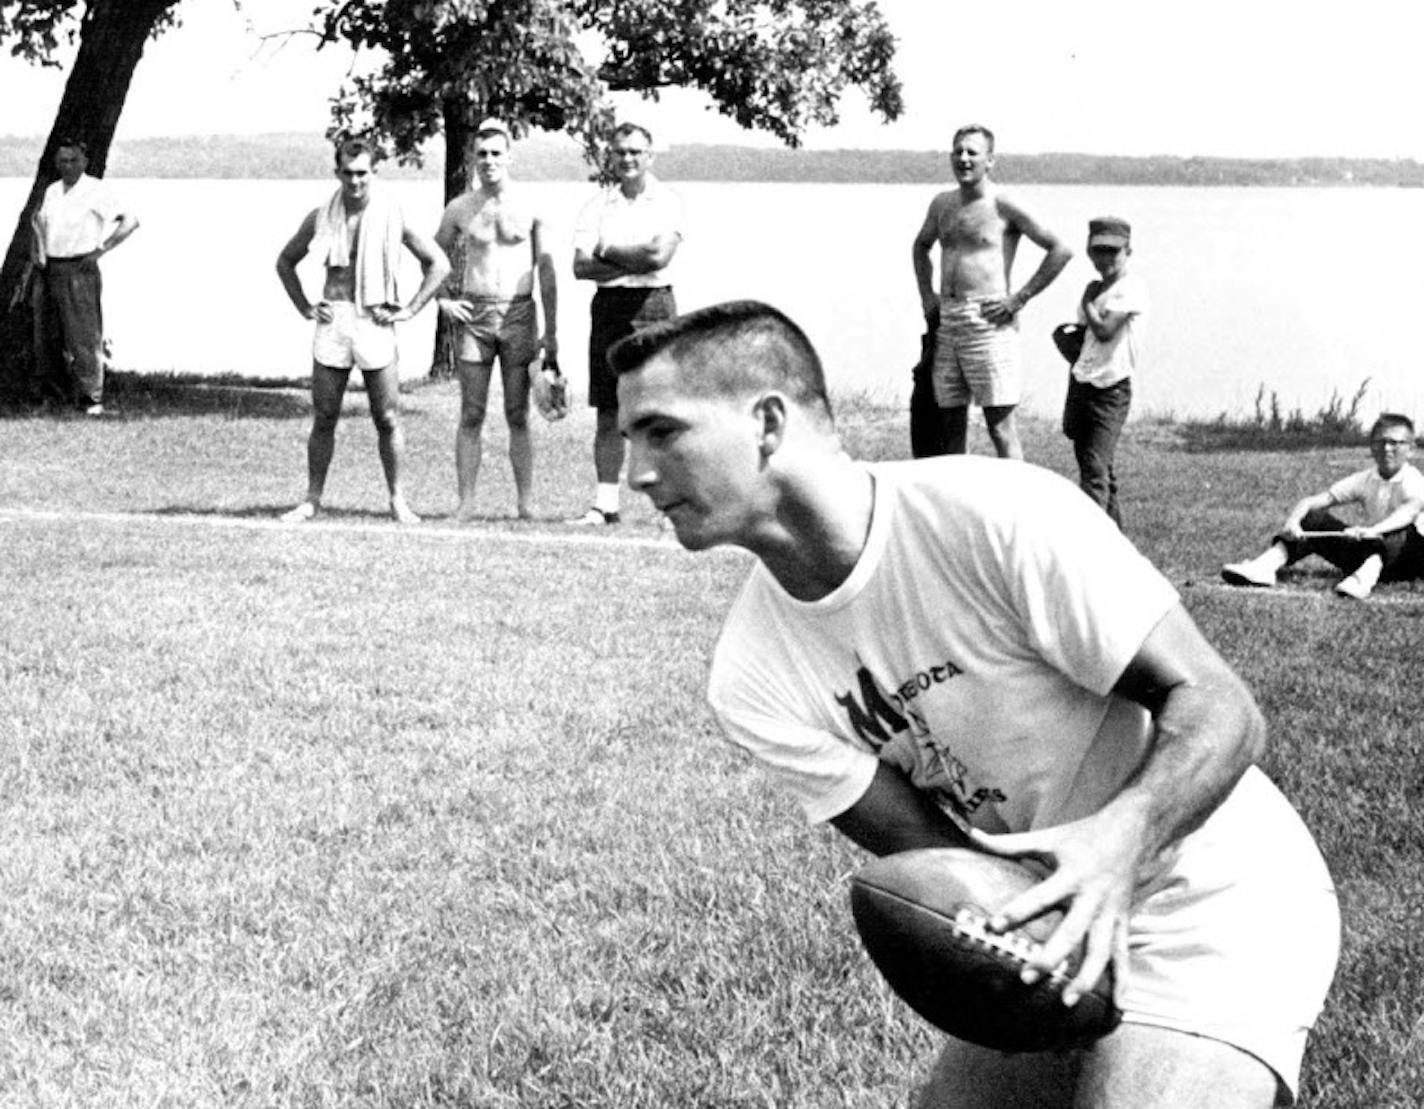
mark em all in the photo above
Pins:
pixel 1269 428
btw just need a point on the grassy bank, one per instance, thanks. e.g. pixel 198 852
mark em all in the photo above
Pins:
pixel 348 814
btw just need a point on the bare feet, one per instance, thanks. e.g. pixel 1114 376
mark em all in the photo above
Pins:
pixel 466 514
pixel 402 512
pixel 301 514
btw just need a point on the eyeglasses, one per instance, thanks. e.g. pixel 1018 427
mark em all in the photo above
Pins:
pixel 1392 444
pixel 629 151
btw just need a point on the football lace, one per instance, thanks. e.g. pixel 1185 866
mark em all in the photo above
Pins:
pixel 973 924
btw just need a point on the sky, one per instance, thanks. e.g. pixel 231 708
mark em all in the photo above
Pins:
pixel 1232 78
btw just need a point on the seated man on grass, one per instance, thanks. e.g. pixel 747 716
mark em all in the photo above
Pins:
pixel 1387 545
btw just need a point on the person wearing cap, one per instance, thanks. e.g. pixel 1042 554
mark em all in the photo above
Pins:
pixel 624 242
pixel 1112 313
pixel 975 312
pixel 498 232
pixel 79 220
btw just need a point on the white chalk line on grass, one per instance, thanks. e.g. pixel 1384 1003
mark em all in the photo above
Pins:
pixel 591 539
pixel 1287 593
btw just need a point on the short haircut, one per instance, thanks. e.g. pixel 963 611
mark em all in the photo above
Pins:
pixel 1387 420
pixel 737 347
pixel 73 144
pixel 353 146
pixel 623 130
pixel 975 129
pixel 492 128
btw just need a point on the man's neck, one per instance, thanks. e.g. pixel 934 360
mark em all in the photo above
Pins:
pixel 633 187
pixel 977 191
pixel 821 529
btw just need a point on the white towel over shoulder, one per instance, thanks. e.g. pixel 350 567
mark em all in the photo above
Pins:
pixel 377 245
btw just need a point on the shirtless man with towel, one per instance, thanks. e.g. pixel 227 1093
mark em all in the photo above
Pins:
pixel 361 231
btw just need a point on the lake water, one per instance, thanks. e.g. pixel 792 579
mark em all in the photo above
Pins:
pixel 1305 291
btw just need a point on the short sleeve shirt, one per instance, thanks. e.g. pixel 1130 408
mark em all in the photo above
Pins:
pixel 76 221
pixel 975 646
pixel 611 218
pixel 1378 497
pixel 1103 363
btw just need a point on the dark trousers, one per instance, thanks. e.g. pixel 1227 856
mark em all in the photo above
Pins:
pixel 1402 550
pixel 615 313
pixel 1093 419
pixel 929 435
pixel 69 331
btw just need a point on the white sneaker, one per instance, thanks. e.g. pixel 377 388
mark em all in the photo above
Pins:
pixel 1254 571
pixel 1361 583
pixel 595 517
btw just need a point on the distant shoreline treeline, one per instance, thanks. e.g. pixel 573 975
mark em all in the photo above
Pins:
pixel 290 156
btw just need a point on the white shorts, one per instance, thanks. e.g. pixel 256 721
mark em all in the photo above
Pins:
pixel 353 339
pixel 1239 941
pixel 975 360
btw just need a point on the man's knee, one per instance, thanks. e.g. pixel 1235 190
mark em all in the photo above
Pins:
pixel 517 417
pixel 386 417
pixel 1143 1067
pixel 472 415
pixel 967 1076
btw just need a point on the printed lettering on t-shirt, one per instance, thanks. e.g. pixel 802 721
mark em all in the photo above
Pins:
pixel 876 717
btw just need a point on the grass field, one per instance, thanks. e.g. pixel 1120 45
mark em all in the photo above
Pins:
pixel 346 814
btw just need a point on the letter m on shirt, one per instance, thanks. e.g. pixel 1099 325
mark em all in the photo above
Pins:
pixel 872 714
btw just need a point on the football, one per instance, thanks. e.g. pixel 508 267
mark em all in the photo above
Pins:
pixel 923 919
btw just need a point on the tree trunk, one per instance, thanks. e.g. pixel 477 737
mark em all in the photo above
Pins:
pixel 459 129
pixel 112 37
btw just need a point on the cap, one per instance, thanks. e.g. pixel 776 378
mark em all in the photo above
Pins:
pixel 1109 231
pixel 492 124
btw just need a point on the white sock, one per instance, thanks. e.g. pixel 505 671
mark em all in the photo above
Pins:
pixel 605 497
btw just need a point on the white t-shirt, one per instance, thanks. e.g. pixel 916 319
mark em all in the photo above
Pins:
pixel 612 219
pixel 76 221
pixel 974 646
pixel 1377 497
pixel 1106 363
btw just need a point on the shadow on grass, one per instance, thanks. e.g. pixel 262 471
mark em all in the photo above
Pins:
pixel 178 396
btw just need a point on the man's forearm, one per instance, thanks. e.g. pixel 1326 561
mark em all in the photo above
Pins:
pixel 1048 270
pixel 924 273
pixel 548 296
pixel 893 815
pixel 1206 732
pixel 633 259
pixel 287 274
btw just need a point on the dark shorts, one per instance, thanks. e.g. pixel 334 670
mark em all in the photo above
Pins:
pixel 615 314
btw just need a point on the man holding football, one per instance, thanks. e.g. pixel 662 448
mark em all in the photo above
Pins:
pixel 962 650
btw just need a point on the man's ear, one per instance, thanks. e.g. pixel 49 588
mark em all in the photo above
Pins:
pixel 771 411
